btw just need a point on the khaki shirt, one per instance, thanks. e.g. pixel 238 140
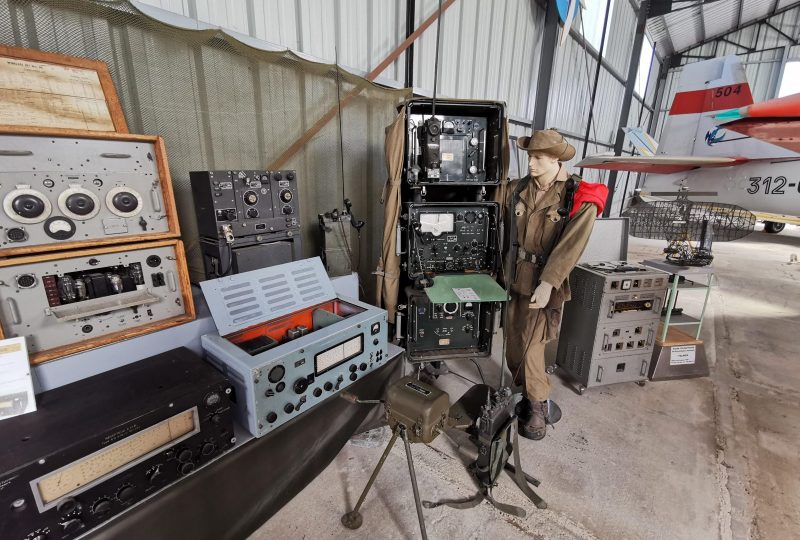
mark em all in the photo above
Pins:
pixel 537 224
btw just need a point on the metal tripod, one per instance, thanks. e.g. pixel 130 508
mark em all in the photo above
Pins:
pixel 354 519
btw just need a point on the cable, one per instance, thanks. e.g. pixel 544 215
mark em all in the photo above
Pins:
pixel 480 371
pixel 436 61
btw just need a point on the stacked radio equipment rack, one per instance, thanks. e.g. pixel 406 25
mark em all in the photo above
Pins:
pixel 449 229
pixel 89 232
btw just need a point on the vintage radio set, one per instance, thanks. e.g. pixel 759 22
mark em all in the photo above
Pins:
pixel 451 237
pixel 63 192
pixel 456 329
pixel 100 445
pixel 69 302
pixel 460 144
pixel 622 301
pixel 287 342
pixel 233 204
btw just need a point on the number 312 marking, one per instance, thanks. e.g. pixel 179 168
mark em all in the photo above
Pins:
pixel 756 182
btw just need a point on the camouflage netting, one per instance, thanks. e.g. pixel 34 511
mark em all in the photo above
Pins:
pixel 222 104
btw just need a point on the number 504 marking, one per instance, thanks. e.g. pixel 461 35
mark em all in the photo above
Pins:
pixel 769 188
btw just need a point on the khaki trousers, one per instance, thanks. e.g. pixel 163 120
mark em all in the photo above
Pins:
pixel 526 339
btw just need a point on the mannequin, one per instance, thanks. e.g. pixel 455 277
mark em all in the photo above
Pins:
pixel 553 214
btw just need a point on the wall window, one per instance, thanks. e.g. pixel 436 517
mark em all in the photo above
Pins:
pixel 790 80
pixel 643 72
pixel 593 17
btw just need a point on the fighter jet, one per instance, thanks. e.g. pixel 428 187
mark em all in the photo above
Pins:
pixel 717 140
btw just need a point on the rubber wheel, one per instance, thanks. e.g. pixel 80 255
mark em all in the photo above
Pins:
pixel 580 389
pixel 641 383
pixel 550 369
pixel 773 227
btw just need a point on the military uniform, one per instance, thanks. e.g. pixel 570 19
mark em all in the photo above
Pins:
pixel 540 258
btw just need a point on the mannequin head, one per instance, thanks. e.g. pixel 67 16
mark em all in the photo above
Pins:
pixel 541 165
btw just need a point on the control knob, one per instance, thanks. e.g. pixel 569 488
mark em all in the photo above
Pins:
pixel 286 196
pixel 101 506
pixel 300 385
pixel 126 493
pixel 153 474
pixel 252 213
pixel 72 525
pixel 207 449
pixel 28 206
pixel 288 210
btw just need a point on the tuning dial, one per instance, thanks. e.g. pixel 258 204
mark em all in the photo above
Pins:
pixel 300 385
pixel 68 506
pixel 126 493
pixel 288 210
pixel 185 455
pixel 124 201
pixel 286 196
pixel 252 213
pixel 101 506
pixel 277 176
pixel 186 468
pixel 28 206
pixel 72 525
pixel 250 197
pixel 473 169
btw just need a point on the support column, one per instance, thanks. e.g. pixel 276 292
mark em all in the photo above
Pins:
pixel 549 43
pixel 624 113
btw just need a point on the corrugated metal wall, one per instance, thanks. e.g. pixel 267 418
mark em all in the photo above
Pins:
pixel 490 50
pixel 772 48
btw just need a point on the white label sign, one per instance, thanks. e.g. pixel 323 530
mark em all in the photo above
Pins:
pixel 447 156
pixel 682 354
pixel 466 294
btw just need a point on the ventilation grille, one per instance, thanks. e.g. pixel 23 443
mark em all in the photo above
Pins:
pixel 239 301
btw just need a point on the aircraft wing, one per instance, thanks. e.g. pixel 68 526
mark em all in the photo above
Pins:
pixel 656 164
pixel 776 121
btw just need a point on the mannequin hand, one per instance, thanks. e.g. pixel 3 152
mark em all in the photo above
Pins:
pixel 541 295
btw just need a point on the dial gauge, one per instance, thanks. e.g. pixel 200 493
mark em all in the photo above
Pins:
pixel 436 224
pixel 81 473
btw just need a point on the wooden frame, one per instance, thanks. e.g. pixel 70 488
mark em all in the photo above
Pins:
pixel 170 209
pixel 73 348
pixel 106 83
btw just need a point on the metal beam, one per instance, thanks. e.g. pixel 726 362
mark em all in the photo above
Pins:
pixel 574 34
pixel 596 81
pixel 546 58
pixel 633 66
pixel 410 16
pixel 792 40
pixel 331 114
pixel 774 11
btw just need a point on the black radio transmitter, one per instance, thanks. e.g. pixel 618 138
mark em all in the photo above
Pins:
pixel 232 204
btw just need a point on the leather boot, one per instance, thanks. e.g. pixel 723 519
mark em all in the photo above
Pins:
pixel 535 427
pixel 523 410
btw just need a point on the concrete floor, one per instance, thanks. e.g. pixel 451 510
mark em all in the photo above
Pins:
pixel 716 457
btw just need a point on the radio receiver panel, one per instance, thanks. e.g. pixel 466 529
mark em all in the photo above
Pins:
pixel 441 331
pixel 451 237
pixel 69 302
pixel 287 342
pixel 233 204
pixel 98 446
pixel 461 144
pixel 64 192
